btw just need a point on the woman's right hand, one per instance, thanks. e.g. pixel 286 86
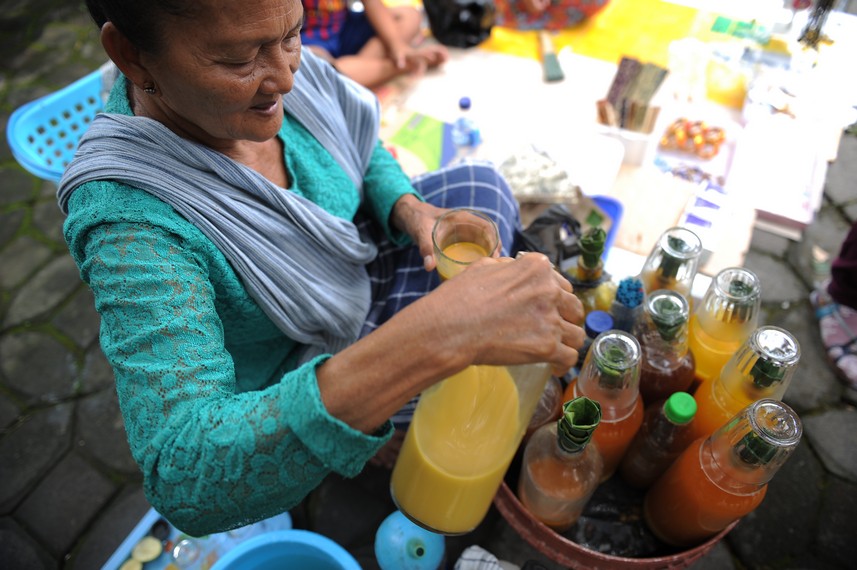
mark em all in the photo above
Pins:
pixel 504 311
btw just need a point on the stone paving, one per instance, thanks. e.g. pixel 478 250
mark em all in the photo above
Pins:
pixel 70 492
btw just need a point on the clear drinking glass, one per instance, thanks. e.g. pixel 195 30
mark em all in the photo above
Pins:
pixel 673 262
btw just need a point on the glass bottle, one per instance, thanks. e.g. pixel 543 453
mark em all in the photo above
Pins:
pixel 724 319
pixel 611 376
pixel 662 437
pixel 762 368
pixel 549 407
pixel 673 262
pixel 591 285
pixel 719 479
pixel 561 468
pixel 667 365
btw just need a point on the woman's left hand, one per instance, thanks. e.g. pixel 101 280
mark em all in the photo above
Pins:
pixel 417 219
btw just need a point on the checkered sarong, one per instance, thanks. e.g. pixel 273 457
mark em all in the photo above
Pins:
pixel 397 274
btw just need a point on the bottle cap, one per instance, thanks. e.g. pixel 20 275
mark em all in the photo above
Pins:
pixel 680 408
pixel 597 322
pixel 579 419
pixel 464 103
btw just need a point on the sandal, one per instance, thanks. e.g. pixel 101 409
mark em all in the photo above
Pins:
pixel 838 326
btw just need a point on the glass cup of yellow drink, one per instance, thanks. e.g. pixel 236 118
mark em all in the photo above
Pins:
pixel 460 237
pixel 465 429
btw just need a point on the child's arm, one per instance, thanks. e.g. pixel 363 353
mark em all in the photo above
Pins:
pixel 382 21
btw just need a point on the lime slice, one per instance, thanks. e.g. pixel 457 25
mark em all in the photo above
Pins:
pixel 131 564
pixel 147 549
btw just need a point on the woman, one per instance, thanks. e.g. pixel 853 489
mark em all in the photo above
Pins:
pixel 227 213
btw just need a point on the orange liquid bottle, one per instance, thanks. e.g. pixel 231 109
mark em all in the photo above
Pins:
pixel 611 376
pixel 728 313
pixel 561 467
pixel 762 368
pixel 718 480
pixel 667 365
pixel 673 262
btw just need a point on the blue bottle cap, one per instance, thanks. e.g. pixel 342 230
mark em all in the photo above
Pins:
pixel 597 322
pixel 464 103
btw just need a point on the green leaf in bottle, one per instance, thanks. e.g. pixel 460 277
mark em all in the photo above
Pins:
pixel 754 450
pixel 743 307
pixel 668 318
pixel 612 366
pixel 766 373
pixel 670 264
pixel 580 417
pixel 592 246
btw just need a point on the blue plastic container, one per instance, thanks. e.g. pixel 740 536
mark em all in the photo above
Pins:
pixel 44 133
pixel 288 550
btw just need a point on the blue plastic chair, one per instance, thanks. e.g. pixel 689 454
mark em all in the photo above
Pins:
pixel 44 133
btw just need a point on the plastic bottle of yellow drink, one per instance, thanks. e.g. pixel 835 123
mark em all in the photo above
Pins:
pixel 724 319
pixel 762 368
pixel 719 479
pixel 465 429
pixel 463 435
pixel 611 376
pixel 673 262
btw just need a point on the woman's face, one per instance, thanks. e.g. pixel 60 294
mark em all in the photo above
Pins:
pixel 220 75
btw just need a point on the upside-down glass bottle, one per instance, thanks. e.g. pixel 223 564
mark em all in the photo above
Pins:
pixel 719 479
pixel 561 467
pixel 667 365
pixel 673 262
pixel 762 368
pixel 611 376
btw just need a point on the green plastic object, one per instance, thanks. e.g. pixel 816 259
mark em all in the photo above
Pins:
pixel 680 408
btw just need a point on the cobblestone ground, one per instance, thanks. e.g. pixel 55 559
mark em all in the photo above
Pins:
pixel 70 492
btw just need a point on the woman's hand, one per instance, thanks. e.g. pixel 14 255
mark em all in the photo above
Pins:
pixel 417 219
pixel 504 311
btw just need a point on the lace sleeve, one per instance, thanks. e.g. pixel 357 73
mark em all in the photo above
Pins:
pixel 212 459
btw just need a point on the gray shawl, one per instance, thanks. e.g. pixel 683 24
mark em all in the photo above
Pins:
pixel 304 266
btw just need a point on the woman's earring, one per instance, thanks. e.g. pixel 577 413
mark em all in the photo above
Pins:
pixel 149 88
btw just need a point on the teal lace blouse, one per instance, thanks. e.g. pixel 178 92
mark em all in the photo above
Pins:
pixel 225 428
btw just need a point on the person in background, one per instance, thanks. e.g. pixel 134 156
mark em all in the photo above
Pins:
pixel 835 303
pixel 263 268
pixel 371 45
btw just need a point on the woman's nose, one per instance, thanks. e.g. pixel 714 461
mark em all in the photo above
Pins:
pixel 280 69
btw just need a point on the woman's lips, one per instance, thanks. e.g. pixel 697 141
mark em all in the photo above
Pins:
pixel 268 107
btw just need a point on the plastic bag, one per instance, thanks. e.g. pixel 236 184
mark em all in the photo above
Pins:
pixel 460 23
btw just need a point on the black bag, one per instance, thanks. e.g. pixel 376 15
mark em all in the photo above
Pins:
pixel 460 23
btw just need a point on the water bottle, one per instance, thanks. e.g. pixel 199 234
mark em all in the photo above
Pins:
pixel 465 133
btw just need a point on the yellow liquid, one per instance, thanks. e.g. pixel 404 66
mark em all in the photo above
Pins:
pixel 713 349
pixel 462 252
pixel 463 436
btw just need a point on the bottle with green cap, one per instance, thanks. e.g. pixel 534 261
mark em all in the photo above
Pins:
pixel 561 467
pixel 762 368
pixel 719 479
pixel 662 437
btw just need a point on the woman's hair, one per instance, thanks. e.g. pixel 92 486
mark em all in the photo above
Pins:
pixel 138 21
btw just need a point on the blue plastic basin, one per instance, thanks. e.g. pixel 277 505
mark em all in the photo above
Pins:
pixel 287 549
